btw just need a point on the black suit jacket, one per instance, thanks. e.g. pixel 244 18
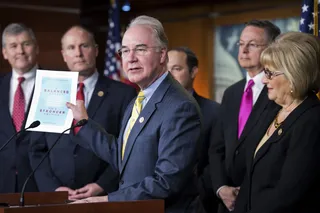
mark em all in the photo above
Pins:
pixel 227 152
pixel 14 161
pixel 284 175
pixel 71 165
pixel 210 111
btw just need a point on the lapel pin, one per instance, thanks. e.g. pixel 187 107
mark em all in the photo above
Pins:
pixel 100 93
pixel 280 131
pixel 141 119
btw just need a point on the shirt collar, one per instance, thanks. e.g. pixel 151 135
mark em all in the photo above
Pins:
pixel 256 79
pixel 27 75
pixel 90 82
pixel 148 92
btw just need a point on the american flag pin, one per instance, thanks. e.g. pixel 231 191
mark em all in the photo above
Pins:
pixel 100 93
pixel 141 119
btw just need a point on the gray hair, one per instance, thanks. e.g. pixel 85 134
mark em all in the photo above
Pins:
pixel 156 27
pixel 16 29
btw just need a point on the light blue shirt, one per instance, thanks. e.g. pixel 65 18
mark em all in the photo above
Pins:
pixel 148 92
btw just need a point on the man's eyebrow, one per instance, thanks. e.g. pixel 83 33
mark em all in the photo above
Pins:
pixel 141 45
pixel 138 45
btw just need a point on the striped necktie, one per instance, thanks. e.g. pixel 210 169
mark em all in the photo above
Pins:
pixel 134 116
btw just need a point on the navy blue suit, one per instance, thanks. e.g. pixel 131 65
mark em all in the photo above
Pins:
pixel 14 160
pixel 160 155
pixel 210 112
pixel 71 165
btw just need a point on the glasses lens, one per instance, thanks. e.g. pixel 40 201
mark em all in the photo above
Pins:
pixel 267 73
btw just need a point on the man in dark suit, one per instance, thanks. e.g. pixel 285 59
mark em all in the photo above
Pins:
pixel 20 48
pixel 183 65
pixel 70 167
pixel 155 153
pixel 227 150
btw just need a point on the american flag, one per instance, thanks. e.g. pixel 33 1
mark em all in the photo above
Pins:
pixel 309 21
pixel 113 68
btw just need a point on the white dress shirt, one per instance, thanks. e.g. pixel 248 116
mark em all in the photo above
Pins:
pixel 89 86
pixel 257 87
pixel 27 86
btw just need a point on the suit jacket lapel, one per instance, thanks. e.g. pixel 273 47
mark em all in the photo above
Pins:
pixel 4 101
pixel 144 117
pixel 288 122
pixel 233 114
pixel 28 109
pixel 125 120
pixel 255 138
pixel 257 110
pixel 99 94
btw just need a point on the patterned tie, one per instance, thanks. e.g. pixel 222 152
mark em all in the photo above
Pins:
pixel 80 96
pixel 134 116
pixel 245 107
pixel 18 106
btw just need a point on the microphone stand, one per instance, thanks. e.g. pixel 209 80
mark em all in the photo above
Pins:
pixel 80 123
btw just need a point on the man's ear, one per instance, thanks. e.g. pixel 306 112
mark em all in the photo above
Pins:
pixel 164 56
pixel 194 72
pixel 4 53
pixel 63 56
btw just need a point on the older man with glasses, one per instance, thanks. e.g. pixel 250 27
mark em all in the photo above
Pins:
pixel 155 153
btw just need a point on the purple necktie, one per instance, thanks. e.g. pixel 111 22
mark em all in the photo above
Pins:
pixel 245 107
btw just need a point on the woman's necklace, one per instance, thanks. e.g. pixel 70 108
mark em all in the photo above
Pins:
pixel 276 124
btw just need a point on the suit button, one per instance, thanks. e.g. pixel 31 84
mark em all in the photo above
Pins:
pixel 75 155
pixel 121 182
pixel 237 152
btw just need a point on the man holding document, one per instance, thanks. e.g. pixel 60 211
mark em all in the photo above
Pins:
pixel 155 152
pixel 20 49
pixel 69 166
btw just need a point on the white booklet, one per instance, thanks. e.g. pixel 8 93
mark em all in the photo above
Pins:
pixel 53 89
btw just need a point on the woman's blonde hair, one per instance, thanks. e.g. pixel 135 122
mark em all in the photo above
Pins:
pixel 298 56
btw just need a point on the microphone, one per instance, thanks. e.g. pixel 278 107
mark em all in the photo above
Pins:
pixel 78 124
pixel 33 125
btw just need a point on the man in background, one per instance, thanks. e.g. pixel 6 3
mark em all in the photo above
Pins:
pixel 20 49
pixel 241 106
pixel 70 167
pixel 183 65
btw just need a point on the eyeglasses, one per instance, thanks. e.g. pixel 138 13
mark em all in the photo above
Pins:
pixel 138 50
pixel 269 74
pixel 250 46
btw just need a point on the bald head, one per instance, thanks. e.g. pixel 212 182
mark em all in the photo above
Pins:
pixel 79 30
pixel 79 51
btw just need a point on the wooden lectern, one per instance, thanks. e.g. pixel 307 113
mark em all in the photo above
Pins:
pixel 56 202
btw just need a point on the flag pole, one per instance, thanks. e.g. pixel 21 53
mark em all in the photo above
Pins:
pixel 315 18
